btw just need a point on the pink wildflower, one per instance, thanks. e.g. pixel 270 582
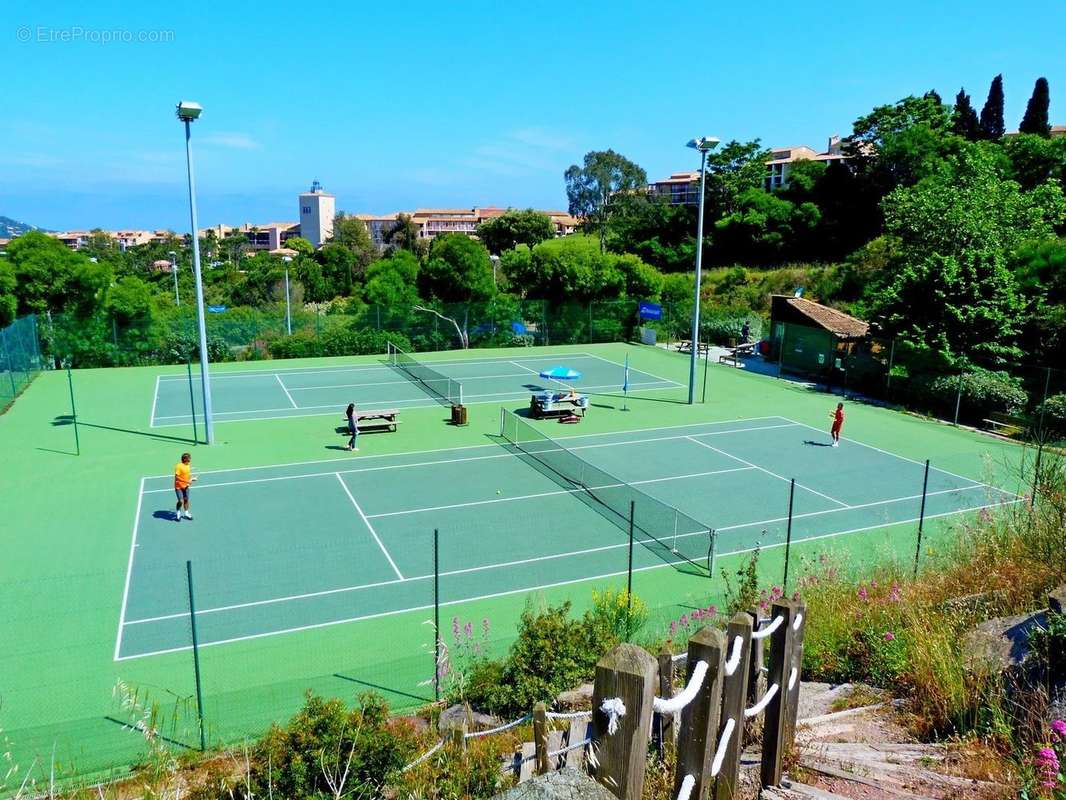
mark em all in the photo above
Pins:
pixel 712 610
pixel 889 636
pixel 863 594
pixel 673 628
pixel 1047 765
pixel 455 627
pixel 1058 727
pixel 895 593
pixel 468 629
pixel 485 627
pixel 684 620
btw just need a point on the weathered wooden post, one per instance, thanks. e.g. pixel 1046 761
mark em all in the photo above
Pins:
pixel 540 736
pixel 698 734
pixel 457 737
pixel 663 726
pixel 734 696
pixel 773 737
pixel 756 677
pixel 799 627
pixel 625 677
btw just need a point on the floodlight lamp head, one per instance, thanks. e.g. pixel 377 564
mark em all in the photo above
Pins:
pixel 704 143
pixel 189 111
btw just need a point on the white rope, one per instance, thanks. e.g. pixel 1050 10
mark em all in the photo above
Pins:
pixel 679 657
pixel 424 756
pixel 614 708
pixel 762 704
pixel 792 678
pixel 734 656
pixel 797 622
pixel 576 746
pixel 762 633
pixel 500 729
pixel 687 785
pixel 671 705
pixel 568 714
pixel 723 744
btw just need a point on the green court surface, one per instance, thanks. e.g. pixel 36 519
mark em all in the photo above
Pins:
pixel 311 565
pixel 286 391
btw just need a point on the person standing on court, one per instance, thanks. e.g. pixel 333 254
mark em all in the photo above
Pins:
pixel 838 423
pixel 183 479
pixel 353 429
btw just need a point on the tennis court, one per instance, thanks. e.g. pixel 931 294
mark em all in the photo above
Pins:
pixel 297 546
pixel 310 391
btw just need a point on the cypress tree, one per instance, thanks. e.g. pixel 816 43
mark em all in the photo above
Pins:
pixel 934 95
pixel 1036 113
pixel 992 114
pixel 964 119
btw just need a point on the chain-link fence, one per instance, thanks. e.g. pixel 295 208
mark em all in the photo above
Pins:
pixel 20 358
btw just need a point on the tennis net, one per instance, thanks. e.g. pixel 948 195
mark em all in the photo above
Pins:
pixel 440 386
pixel 669 533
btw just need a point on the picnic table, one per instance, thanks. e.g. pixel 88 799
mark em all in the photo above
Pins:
pixel 685 346
pixel 557 404
pixel 378 419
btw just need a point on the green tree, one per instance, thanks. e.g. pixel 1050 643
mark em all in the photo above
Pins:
pixel 992 126
pixel 732 170
pixel 662 234
pixel 339 265
pixel 763 228
pixel 458 270
pixel 870 132
pixel 44 272
pixel 129 300
pixel 8 301
pixel 1035 120
pixel 351 234
pixel 393 281
pixel 1035 160
pixel 515 227
pixel 964 121
pixel 300 245
pixel 592 189
pixel 404 236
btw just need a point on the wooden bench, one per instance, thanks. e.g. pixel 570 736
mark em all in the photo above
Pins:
pixel 735 353
pixel 1006 424
pixel 685 346
pixel 378 419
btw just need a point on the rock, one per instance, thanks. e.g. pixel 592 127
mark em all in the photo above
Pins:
pixel 455 716
pixel 1056 600
pixel 1000 643
pixel 566 784
pixel 418 723
pixel 576 699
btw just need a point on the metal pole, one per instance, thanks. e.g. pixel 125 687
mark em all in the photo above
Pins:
pixel 205 378
pixel 1043 406
pixel 436 614
pixel 891 359
pixel 10 364
pixel 195 655
pixel 958 400
pixel 706 361
pixel 629 574
pixel 781 349
pixel 288 308
pixel 73 411
pixel 788 533
pixel 921 519
pixel 699 275
pixel 192 403
pixel 710 553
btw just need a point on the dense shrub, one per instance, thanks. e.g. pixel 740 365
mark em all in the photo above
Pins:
pixel 983 393
pixel 336 342
pixel 1054 414
pixel 178 347
pixel 720 328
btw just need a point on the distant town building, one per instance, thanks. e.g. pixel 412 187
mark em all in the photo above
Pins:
pixel 680 189
pixel 1056 132
pixel 431 222
pixel 782 159
pixel 317 212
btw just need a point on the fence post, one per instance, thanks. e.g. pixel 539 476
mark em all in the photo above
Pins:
pixel 792 695
pixel 540 736
pixel 629 574
pixel 891 358
pixel 921 519
pixel 755 661
pixel 788 533
pixel 192 401
pixel 195 656
pixel 628 674
pixel 698 734
pixel 663 729
pixel 73 411
pixel 436 614
pixel 958 400
pixel 734 696
pixel 773 735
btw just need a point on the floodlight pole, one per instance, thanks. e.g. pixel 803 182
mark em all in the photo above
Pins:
pixel 205 379
pixel 703 144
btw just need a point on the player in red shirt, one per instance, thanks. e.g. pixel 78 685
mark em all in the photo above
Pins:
pixel 838 423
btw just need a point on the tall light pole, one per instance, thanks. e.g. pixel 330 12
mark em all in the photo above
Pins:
pixel 704 144
pixel 288 309
pixel 174 272
pixel 188 113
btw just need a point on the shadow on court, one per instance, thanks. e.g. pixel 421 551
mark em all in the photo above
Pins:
pixel 167 739
pixel 380 688
pixel 67 419
pixel 812 443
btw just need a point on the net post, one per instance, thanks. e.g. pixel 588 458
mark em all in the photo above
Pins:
pixel 788 533
pixel 436 614
pixel 629 574
pixel 73 411
pixel 921 519
pixel 503 417
pixel 710 553
pixel 460 392
pixel 958 400
pixel 195 656
pixel 192 401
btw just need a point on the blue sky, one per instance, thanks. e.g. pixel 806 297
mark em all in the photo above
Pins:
pixel 398 105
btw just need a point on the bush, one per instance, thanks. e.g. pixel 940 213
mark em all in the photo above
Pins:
pixel 1054 413
pixel 345 341
pixel 983 393
pixel 720 328
pixel 177 348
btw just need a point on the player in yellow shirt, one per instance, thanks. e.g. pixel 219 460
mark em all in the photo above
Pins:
pixel 183 478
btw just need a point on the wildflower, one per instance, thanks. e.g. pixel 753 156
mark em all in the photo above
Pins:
pixel 455 627
pixel 673 628
pixel 863 594
pixel 873 584
pixel 1058 727
pixel 713 611
pixel 796 596
pixel 889 636
pixel 823 558
pixel 684 620
pixel 468 629
pixel 776 592
pixel 485 627
pixel 895 593
pixel 1047 767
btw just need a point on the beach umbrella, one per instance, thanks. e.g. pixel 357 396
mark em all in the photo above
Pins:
pixel 561 374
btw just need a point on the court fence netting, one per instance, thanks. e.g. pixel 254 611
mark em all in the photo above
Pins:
pixel 20 358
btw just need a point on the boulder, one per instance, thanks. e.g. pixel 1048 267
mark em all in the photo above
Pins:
pixel 1001 643
pixel 1056 600
pixel 456 716
pixel 576 699
pixel 566 784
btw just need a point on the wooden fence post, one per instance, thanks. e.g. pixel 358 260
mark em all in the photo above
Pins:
pixel 457 737
pixel 627 673
pixel 756 677
pixel 792 698
pixel 698 734
pixel 734 696
pixel 663 726
pixel 540 736
pixel 773 736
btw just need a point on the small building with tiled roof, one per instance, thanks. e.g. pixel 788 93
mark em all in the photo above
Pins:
pixel 808 337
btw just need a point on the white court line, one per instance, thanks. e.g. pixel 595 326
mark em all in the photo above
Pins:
pixel 493 595
pixel 369 527
pixel 155 399
pixel 636 369
pixel 129 571
pixel 484 446
pixel 527 369
pixel 282 384
pixel 510 393
pixel 453 460
pixel 390 383
pixel 768 472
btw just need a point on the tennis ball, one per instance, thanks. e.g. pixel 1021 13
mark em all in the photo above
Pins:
pixel 497 491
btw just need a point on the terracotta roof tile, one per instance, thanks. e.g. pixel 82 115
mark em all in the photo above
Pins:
pixel 836 322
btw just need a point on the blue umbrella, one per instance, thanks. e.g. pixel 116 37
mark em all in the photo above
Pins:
pixel 561 374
